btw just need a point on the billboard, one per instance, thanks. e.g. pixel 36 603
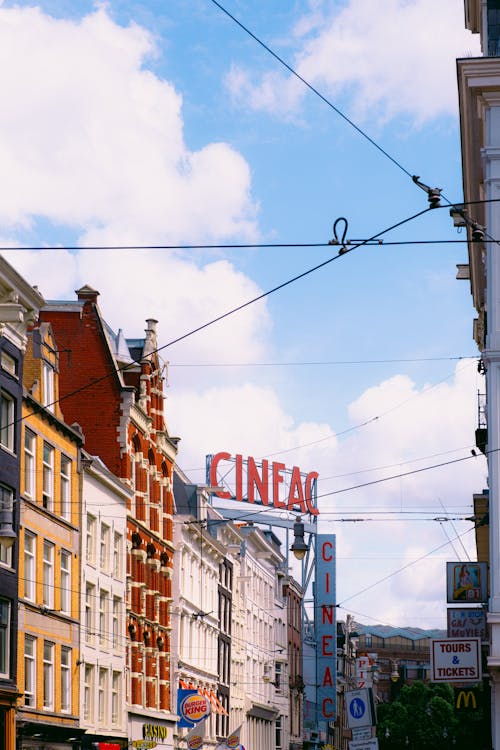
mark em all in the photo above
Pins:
pixel 456 660
pixel 467 623
pixel 325 627
pixel 467 582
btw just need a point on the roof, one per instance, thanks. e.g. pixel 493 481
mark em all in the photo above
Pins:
pixel 386 631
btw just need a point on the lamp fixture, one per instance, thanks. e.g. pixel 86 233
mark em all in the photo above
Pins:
pixel 299 547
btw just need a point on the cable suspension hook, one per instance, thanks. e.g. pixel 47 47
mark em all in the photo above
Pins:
pixel 433 194
pixel 342 241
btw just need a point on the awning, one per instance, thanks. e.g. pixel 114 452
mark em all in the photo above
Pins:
pixel 217 706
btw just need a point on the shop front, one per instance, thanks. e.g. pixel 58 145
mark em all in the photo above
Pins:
pixel 146 732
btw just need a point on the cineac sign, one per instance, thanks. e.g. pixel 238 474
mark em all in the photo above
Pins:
pixel 266 483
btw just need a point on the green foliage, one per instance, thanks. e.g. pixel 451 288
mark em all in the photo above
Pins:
pixel 424 717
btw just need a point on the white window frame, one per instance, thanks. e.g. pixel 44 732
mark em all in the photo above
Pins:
pixel 88 692
pixel 30 671
pixel 65 582
pixel 48 391
pixel 117 555
pixel 103 615
pixel 117 607
pixel 48 574
pixel 7 419
pixel 116 689
pixel 48 675
pixel 91 538
pixel 65 488
pixel 8 363
pixel 104 541
pixel 29 566
pixel 65 679
pixel 5 629
pixel 102 691
pixel 89 611
pixel 30 464
pixel 48 477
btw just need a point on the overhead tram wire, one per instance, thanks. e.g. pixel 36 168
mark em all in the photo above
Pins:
pixel 343 251
pixel 312 88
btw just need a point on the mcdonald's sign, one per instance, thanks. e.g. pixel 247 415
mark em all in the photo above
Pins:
pixel 466 698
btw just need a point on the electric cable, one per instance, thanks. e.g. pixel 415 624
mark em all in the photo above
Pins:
pixel 342 252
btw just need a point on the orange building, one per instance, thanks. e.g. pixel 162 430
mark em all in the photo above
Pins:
pixel 113 388
pixel 49 557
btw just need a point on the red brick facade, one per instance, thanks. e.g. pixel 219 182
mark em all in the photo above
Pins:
pixel 116 395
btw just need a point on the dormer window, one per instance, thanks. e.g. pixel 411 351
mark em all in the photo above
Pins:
pixel 48 393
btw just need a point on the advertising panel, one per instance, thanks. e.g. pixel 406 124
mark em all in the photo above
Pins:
pixel 326 628
pixel 456 660
pixel 467 623
pixel 192 707
pixel 466 582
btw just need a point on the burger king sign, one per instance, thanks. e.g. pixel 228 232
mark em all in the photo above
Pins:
pixel 192 707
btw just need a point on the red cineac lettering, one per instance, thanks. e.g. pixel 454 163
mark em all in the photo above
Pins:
pixel 277 480
pixel 327 583
pixel 239 477
pixel 296 493
pixel 222 456
pixel 311 477
pixel 256 481
pixel 327 614
pixel 327 551
pixel 327 678
pixel 326 645
pixel 327 708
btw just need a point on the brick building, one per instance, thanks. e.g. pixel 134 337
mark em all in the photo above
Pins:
pixel 113 388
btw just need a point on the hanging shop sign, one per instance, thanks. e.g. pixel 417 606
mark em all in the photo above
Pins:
pixel 191 707
pixel 325 628
pixel 467 623
pixel 263 482
pixel 456 660
pixel 466 582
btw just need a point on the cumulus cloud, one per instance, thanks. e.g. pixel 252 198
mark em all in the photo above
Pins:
pixel 396 60
pixel 94 140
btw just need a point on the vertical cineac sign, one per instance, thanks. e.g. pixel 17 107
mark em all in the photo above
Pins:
pixel 325 627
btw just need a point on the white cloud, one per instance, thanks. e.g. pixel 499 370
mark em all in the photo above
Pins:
pixel 93 140
pixel 395 59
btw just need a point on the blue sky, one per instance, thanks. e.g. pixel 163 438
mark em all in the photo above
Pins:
pixel 134 123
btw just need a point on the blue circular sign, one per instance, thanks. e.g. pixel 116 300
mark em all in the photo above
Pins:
pixel 357 708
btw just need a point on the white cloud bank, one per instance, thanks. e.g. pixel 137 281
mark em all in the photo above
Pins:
pixel 389 59
pixel 90 138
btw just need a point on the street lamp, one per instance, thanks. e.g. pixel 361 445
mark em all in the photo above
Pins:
pixel 299 547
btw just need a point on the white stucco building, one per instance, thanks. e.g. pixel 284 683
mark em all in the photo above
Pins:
pixel 479 92
pixel 103 687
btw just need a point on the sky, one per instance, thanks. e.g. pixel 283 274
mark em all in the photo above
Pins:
pixel 148 123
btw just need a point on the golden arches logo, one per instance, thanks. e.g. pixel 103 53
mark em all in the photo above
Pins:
pixel 466 697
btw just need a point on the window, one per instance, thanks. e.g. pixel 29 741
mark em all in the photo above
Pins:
pixel 116 698
pixel 5 556
pixel 89 611
pixel 29 670
pixel 8 363
pixel 29 464
pixel 48 394
pixel 5 610
pixel 117 555
pixel 48 675
pixel 90 545
pixel 65 497
pixel 279 732
pixel 88 693
pixel 104 547
pixel 7 419
pixel 116 621
pixel 48 477
pixel 7 516
pixel 65 679
pixel 29 566
pixel 48 575
pixel 65 582
pixel 103 616
pixel 102 694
